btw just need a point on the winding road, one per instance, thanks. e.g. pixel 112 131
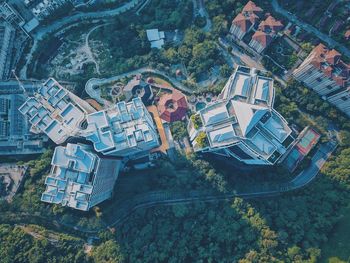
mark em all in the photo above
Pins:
pixel 309 28
pixel 123 209
pixel 95 82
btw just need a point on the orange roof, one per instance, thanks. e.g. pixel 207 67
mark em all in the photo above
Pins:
pixel 332 56
pixel 172 107
pixel 271 23
pixel 263 38
pixel 244 23
pixel 251 7
pixel 330 63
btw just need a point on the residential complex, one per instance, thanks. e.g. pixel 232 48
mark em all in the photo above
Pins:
pixel 247 21
pixel 7 36
pixel 242 122
pixel 79 178
pixel 15 135
pixel 124 130
pixel 326 73
pixel 56 111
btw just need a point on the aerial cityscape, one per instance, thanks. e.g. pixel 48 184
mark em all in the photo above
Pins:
pixel 174 131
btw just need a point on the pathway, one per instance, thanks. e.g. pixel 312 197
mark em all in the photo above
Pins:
pixel 94 82
pixel 309 28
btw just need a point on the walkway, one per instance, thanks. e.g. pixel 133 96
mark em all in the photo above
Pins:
pixel 309 28
pixel 94 82
pixel 165 145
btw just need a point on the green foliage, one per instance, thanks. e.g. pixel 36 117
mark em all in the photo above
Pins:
pixel 202 140
pixel 178 130
pixel 18 246
pixel 225 71
pixel 197 121
pixel 200 21
pixel 108 252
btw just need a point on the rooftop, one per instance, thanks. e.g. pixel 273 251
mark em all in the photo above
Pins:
pixel 330 63
pixel 54 111
pixel 70 182
pixel 121 128
pixel 245 114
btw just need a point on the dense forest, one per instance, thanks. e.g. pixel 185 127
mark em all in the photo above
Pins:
pixel 292 227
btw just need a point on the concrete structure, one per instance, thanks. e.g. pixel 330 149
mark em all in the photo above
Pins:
pixel 15 135
pixel 7 36
pixel 56 112
pixel 242 122
pixel 265 34
pixel 124 130
pixel 156 38
pixel 45 8
pixel 326 73
pixel 245 21
pixel 79 178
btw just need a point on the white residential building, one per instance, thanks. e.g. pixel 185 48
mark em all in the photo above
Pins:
pixel 242 123
pixel 79 178
pixel 124 130
pixel 56 111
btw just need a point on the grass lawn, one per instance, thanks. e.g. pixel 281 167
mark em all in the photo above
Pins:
pixel 337 249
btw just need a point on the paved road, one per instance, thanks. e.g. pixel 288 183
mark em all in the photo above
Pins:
pixel 96 93
pixel 155 198
pixel 309 28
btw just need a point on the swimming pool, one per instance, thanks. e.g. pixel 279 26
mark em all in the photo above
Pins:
pixel 200 106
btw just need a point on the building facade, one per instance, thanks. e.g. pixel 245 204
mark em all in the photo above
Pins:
pixel 79 178
pixel 242 123
pixel 327 74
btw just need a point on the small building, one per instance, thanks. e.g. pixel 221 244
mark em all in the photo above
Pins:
pixel 79 178
pixel 56 111
pixel 123 130
pixel 137 87
pixel 156 38
pixel 172 107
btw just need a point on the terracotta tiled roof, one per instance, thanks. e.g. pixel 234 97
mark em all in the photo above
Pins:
pixel 251 7
pixel 329 61
pixel 244 23
pixel 332 56
pixel 263 38
pixel 270 23
pixel 172 107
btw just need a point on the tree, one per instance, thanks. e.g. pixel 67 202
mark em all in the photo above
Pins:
pixel 178 130
pixel 225 71
pixel 202 140
pixel 108 252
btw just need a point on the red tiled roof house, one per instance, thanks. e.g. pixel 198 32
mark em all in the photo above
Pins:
pixel 266 33
pixel 246 20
